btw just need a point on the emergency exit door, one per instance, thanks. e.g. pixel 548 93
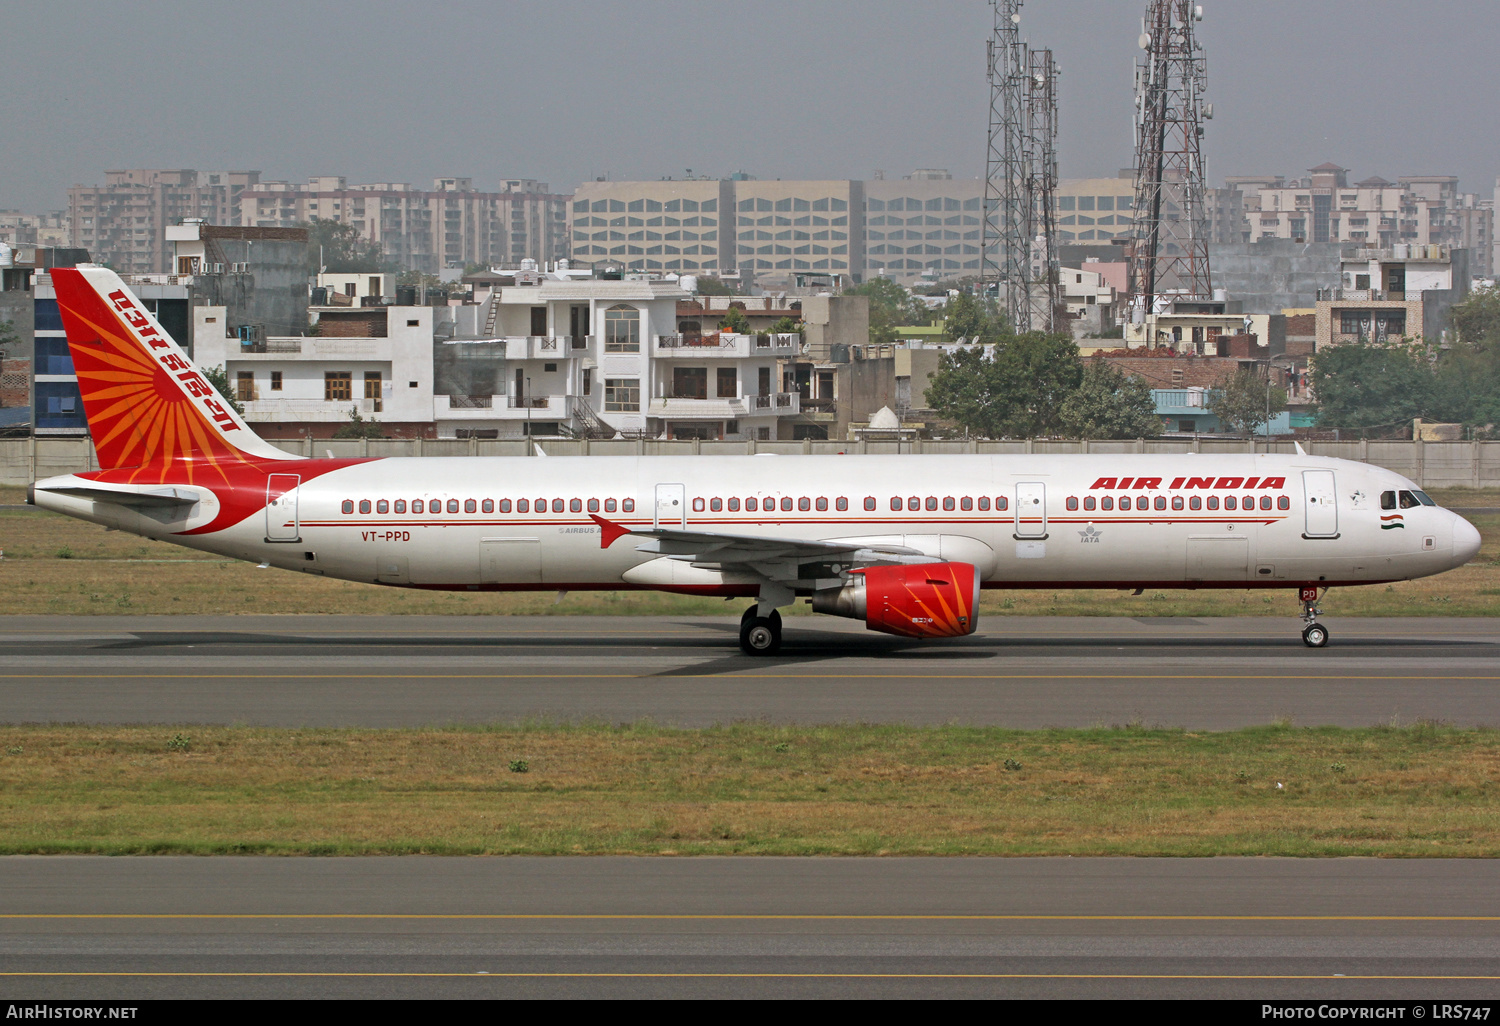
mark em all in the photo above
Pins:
pixel 671 506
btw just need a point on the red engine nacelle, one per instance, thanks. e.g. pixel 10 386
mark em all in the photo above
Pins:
pixel 928 600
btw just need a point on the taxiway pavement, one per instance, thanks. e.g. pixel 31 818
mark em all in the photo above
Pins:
pixel 1021 672
pixel 133 928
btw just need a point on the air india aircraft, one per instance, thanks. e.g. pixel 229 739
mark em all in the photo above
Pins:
pixel 904 543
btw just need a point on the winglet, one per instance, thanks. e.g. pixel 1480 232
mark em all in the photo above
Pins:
pixel 1300 450
pixel 609 531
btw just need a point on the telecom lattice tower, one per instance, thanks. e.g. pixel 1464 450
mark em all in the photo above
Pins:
pixel 1045 291
pixel 1019 262
pixel 1169 253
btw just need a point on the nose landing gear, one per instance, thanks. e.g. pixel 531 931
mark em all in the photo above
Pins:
pixel 1314 634
pixel 760 635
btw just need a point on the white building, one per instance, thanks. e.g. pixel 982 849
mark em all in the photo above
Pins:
pixel 584 358
pixel 374 361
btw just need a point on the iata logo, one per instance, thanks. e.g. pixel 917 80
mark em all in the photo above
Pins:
pixel 1089 536
pixel 1220 483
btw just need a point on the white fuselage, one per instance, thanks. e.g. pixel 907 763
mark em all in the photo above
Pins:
pixel 1024 521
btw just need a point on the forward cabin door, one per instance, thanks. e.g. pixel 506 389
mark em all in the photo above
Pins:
pixel 1322 504
pixel 671 507
pixel 281 508
pixel 1031 509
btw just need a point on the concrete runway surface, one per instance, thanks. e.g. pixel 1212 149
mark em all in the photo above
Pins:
pixel 1022 672
pixel 135 928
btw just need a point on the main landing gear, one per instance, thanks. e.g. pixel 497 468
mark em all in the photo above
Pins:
pixel 1314 634
pixel 760 635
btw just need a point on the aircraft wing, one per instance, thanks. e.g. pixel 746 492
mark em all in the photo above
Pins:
pixel 712 549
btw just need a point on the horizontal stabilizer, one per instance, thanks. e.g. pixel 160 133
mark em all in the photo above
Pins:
pixel 156 498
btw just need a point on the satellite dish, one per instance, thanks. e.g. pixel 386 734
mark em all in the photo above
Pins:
pixel 1015 19
pixel 1144 41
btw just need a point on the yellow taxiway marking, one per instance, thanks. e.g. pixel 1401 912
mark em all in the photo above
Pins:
pixel 737 676
pixel 759 976
pixel 739 917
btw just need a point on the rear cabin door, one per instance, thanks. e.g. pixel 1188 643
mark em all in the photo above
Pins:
pixel 1031 509
pixel 671 506
pixel 1322 504
pixel 281 508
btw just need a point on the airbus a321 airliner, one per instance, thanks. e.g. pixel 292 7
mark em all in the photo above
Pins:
pixel 904 543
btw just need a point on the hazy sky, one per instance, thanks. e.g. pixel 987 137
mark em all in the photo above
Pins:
pixel 566 90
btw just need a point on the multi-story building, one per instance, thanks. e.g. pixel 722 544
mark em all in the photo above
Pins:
pixel 48 230
pixel 1404 291
pixel 452 225
pixel 1325 208
pixel 373 361
pixel 681 226
pixel 123 222
pixel 1095 210
pixel 928 224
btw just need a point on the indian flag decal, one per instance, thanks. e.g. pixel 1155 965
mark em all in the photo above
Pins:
pixel 1391 522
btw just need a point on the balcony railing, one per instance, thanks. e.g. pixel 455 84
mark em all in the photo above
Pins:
pixel 471 402
pixel 783 401
pixel 531 402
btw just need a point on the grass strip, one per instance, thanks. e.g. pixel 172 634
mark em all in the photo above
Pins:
pixel 1422 790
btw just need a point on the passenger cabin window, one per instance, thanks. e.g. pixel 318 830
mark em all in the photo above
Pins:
pixel 804 504
pixel 1002 503
pixel 716 505
pixel 1089 502
pixel 698 506
pixel 470 506
pixel 932 502
pixel 1176 502
pixel 1265 502
pixel 949 503
pixel 1229 502
pixel 1124 502
pixel 984 504
pixel 523 505
pixel 452 505
pixel 576 505
pixel 895 505
pixel 870 503
pixel 1072 502
pixel 628 506
pixel 416 506
pixel 364 505
pixel 1284 502
pixel 400 505
pixel 488 506
pixel 609 505
pixel 1161 502
pixel 594 505
pixel 1196 502
pixel 348 506
pixel 786 505
pixel 914 503
pixel 1213 502
pixel 842 503
pixel 504 505
pixel 1107 503
pixel 381 506
pixel 966 503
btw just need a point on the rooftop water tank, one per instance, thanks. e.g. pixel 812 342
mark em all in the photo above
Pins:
pixel 7 256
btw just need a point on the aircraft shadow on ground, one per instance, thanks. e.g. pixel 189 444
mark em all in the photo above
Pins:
pixel 799 644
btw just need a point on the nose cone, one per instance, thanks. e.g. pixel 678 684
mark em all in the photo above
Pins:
pixel 1465 541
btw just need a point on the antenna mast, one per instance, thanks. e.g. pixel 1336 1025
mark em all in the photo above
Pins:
pixel 1020 175
pixel 1170 248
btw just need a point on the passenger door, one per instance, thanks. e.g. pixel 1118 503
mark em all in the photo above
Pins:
pixel 281 508
pixel 1321 499
pixel 1031 509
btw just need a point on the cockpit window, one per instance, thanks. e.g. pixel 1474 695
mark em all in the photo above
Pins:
pixel 1424 498
pixel 1408 500
pixel 1388 500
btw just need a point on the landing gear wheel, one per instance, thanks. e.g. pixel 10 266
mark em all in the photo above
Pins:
pixel 760 635
pixel 1315 635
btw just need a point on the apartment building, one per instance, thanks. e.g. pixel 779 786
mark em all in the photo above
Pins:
pixel 1404 291
pixel 1372 213
pixel 451 225
pixel 123 222
pixel 680 226
pixel 49 230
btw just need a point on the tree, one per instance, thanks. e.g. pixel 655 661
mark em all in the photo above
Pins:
pixel 358 427
pixel 974 319
pixel 890 307
pixel 1014 388
pixel 337 247
pixel 787 326
pixel 735 321
pixel 1108 404
pixel 219 378
pixel 1243 400
pixel 1372 386
pixel 1476 321
pixel 713 287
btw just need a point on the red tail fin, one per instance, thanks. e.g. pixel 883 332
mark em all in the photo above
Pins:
pixel 147 405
